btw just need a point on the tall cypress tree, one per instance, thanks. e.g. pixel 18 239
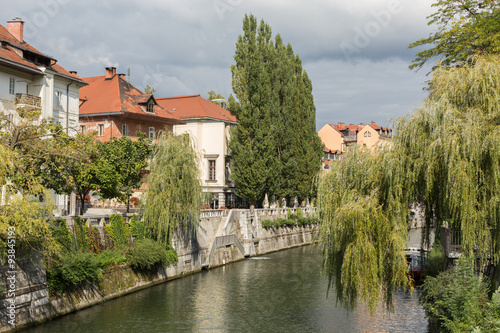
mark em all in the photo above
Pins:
pixel 275 147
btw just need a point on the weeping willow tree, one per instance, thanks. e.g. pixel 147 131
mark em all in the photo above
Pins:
pixel 173 197
pixel 445 157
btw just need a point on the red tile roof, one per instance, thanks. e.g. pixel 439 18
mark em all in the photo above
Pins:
pixel 117 95
pixel 195 107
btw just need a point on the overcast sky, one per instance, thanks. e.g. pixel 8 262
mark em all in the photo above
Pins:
pixel 354 51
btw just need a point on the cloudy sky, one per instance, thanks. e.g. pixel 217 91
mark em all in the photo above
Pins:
pixel 354 51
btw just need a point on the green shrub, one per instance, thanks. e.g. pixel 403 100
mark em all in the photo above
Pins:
pixel 73 271
pixel 110 257
pixel 80 243
pixel 267 224
pixel 436 261
pixel 63 236
pixel 147 254
pixel 456 300
pixel 118 230
pixel 137 228
pixel 93 239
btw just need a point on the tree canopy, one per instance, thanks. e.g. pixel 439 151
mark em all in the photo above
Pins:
pixel 464 28
pixel 275 147
pixel 445 157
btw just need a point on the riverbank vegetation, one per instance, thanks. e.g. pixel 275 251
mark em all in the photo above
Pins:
pixel 83 256
pixel 444 157
pixel 292 220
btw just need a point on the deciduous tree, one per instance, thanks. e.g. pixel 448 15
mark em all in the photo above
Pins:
pixel 173 195
pixel 464 28
pixel 445 156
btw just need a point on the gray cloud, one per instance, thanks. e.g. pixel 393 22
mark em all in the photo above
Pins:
pixel 186 47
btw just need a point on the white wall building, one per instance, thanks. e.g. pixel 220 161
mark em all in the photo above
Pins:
pixel 209 127
pixel 29 78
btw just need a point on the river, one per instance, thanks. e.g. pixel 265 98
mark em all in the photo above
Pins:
pixel 278 292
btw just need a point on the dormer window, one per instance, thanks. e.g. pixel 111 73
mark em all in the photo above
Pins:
pixel 150 106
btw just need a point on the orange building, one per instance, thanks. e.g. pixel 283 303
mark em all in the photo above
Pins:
pixel 112 107
pixel 338 137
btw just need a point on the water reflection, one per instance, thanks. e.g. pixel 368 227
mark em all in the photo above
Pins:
pixel 284 293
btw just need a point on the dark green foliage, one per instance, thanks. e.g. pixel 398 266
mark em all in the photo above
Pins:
pixel 436 261
pixel 291 221
pixel 63 236
pixel 81 243
pixel 137 228
pixel 147 254
pixel 457 301
pixel 275 147
pixel 465 28
pixel 127 158
pixel 73 271
pixel 118 230
pixel 110 257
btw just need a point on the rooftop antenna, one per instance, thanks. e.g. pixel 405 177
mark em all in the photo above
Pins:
pixel 222 102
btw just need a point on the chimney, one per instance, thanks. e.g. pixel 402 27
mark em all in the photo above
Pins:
pixel 15 28
pixel 110 72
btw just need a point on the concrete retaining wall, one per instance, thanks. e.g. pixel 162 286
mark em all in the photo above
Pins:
pixel 33 304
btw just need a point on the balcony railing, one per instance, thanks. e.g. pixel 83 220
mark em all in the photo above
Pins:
pixel 23 100
pixel 350 138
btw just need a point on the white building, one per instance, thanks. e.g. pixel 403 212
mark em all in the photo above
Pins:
pixel 209 127
pixel 29 78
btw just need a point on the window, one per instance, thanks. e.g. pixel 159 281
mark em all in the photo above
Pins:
pixel 82 129
pixel 125 129
pixel 228 170
pixel 101 129
pixel 369 134
pixel 150 107
pixel 211 170
pixel 58 99
pixel 151 132
pixel 12 86
pixel 366 134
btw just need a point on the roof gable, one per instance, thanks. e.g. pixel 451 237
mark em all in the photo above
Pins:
pixel 195 107
pixel 117 95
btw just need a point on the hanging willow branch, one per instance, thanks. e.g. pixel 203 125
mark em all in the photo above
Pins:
pixel 445 157
pixel 173 197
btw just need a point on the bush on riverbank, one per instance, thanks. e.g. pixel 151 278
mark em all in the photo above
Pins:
pixel 292 220
pixel 81 259
pixel 457 301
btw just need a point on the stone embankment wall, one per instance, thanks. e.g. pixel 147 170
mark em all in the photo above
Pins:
pixel 214 243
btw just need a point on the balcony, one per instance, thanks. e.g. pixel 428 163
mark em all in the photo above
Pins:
pixel 28 101
pixel 350 138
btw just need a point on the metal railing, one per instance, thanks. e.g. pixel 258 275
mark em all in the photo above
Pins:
pixel 350 137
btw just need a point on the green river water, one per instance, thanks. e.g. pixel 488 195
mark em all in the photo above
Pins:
pixel 279 292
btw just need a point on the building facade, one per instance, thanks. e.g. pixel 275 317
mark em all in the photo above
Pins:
pixel 338 137
pixel 209 128
pixel 34 80
pixel 111 107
